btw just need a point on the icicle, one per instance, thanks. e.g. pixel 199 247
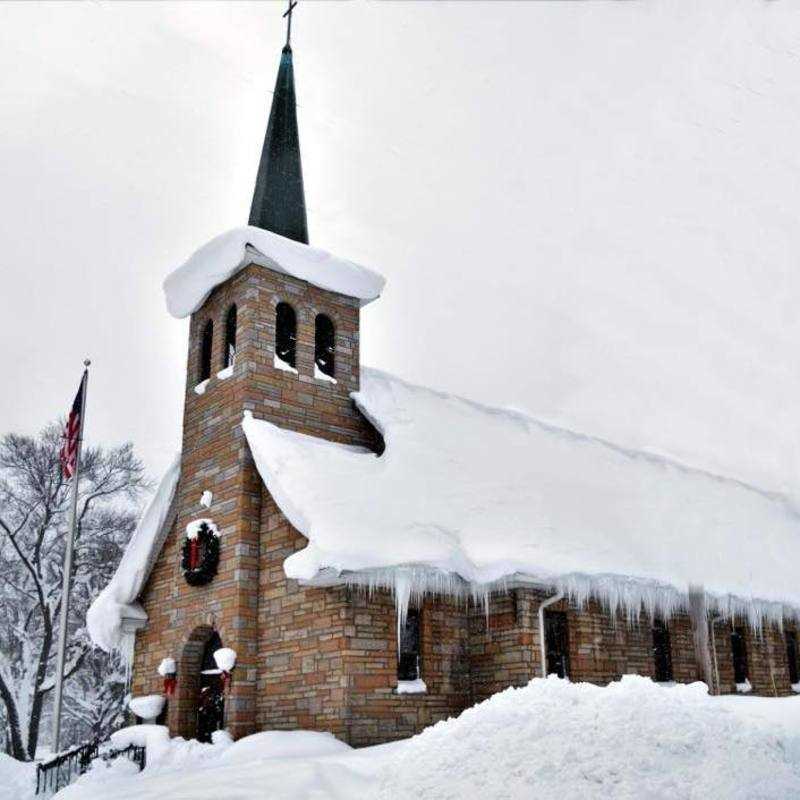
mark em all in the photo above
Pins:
pixel 126 649
pixel 617 594
pixel 402 594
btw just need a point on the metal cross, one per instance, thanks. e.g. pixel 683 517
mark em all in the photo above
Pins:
pixel 288 13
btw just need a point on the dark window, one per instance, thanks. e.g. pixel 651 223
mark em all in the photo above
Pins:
pixel 229 353
pixel 408 663
pixel 286 334
pixel 206 342
pixel 662 651
pixel 211 703
pixel 739 649
pixel 324 345
pixel 556 637
pixel 791 655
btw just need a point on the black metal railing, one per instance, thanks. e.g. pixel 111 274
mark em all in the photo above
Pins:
pixel 132 752
pixel 58 772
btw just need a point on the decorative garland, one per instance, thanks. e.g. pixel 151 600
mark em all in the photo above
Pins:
pixel 200 557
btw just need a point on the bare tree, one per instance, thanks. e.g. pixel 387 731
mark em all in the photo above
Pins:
pixel 34 504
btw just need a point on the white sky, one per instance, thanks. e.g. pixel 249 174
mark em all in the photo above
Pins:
pixel 588 210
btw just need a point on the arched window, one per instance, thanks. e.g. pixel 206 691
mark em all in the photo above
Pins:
pixel 286 334
pixel 556 638
pixel 739 649
pixel 229 351
pixel 408 662
pixel 791 655
pixel 324 346
pixel 207 340
pixel 662 651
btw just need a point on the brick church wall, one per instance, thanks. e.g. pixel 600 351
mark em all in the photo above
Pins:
pixel 502 649
pixel 303 635
pixel 376 712
pixel 767 663
pixel 505 651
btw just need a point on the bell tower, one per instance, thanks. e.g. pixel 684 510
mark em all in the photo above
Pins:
pixel 267 340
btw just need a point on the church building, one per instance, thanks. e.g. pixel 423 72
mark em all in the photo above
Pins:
pixel 337 550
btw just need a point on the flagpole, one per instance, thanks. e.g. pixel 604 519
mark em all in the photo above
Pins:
pixel 67 584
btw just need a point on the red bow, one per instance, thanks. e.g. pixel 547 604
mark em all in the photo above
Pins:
pixel 169 685
pixel 194 553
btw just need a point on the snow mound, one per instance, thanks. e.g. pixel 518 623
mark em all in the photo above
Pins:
pixel 225 658
pixel 465 491
pixel 165 754
pixel 17 778
pixel 187 288
pixel 167 667
pixel 148 706
pixel 576 741
pixel 552 740
pixel 155 738
pixel 118 599
pixel 283 744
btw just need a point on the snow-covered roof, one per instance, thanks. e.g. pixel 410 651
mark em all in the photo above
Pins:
pixel 465 491
pixel 118 599
pixel 467 498
pixel 187 288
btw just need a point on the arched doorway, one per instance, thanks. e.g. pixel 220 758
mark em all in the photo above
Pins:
pixel 211 697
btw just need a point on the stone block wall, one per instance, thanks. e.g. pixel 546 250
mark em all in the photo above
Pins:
pixel 376 712
pixel 505 649
pixel 767 662
pixel 303 633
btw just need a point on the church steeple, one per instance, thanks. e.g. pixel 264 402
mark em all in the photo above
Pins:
pixel 279 200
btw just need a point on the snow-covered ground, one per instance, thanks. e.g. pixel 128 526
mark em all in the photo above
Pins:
pixel 17 779
pixel 550 739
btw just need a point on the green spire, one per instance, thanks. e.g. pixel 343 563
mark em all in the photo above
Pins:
pixel 279 200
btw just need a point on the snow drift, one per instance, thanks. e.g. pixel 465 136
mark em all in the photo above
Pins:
pixel 187 288
pixel 17 778
pixel 118 599
pixel 282 745
pixel 466 497
pixel 572 741
pixel 551 739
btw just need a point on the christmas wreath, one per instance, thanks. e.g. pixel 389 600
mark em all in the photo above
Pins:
pixel 200 557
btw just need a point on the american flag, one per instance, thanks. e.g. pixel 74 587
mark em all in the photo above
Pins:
pixel 72 433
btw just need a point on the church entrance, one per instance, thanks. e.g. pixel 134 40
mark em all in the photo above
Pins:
pixel 211 699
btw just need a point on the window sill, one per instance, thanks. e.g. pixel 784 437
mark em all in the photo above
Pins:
pixel 319 375
pixel 411 687
pixel 744 688
pixel 202 386
pixel 283 366
pixel 225 373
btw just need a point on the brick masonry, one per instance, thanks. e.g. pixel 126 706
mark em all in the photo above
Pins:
pixel 325 658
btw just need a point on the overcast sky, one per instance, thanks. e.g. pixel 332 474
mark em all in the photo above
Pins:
pixel 587 210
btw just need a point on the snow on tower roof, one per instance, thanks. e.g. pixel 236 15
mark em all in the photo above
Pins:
pixel 118 599
pixel 187 288
pixel 473 497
